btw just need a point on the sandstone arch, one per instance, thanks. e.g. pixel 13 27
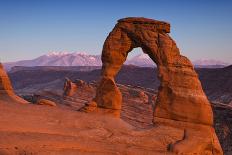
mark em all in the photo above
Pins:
pixel 181 102
pixel 180 95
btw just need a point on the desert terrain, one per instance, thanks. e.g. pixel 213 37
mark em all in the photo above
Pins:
pixel 132 81
pixel 171 109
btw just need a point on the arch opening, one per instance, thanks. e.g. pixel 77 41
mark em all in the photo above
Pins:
pixel 138 58
pixel 138 86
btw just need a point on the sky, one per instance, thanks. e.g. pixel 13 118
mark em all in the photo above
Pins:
pixel 202 29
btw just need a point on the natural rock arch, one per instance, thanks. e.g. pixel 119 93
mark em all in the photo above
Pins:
pixel 181 103
pixel 180 95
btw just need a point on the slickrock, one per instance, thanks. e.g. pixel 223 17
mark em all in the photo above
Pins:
pixel 7 94
pixel 181 101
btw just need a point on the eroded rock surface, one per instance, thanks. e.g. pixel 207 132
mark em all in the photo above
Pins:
pixel 69 87
pixel 6 91
pixel 180 94
pixel 181 101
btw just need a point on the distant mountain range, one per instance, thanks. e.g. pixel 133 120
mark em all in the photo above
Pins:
pixel 144 60
pixel 83 59
pixel 210 64
pixel 59 59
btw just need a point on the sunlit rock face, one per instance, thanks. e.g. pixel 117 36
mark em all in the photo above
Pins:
pixel 180 93
pixel 181 101
pixel 6 90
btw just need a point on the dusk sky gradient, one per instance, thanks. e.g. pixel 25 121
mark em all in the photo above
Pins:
pixel 202 29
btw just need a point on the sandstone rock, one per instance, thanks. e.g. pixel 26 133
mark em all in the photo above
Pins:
pixel 6 90
pixel 92 107
pixel 89 107
pixel 108 95
pixel 79 82
pixel 153 100
pixel 83 86
pixel 180 94
pixel 46 102
pixel 72 88
pixel 180 97
pixel 143 97
pixel 69 87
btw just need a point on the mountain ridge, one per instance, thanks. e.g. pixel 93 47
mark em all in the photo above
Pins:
pixel 84 59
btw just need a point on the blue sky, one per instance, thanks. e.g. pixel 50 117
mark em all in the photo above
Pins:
pixel 30 28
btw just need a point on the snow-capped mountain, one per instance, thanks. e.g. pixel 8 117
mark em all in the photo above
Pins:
pixel 142 60
pixel 211 63
pixel 59 59
pixel 84 59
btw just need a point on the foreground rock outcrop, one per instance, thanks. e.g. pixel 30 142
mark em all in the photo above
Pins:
pixel 64 132
pixel 181 101
pixel 134 111
pixel 7 94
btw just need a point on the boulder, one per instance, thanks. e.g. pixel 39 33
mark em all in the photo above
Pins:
pixel 46 102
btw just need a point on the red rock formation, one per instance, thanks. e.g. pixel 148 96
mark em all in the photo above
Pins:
pixel 144 97
pixel 69 87
pixel 180 94
pixel 6 91
pixel 181 101
pixel 72 88
pixel 46 102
